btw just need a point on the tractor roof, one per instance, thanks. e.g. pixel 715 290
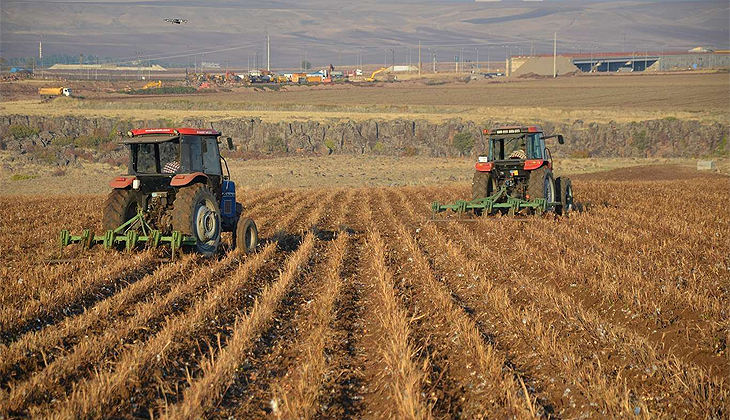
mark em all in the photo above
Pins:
pixel 514 129
pixel 161 135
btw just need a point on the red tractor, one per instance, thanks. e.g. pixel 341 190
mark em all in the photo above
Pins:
pixel 175 192
pixel 516 173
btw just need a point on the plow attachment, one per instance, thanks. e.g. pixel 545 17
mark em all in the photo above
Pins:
pixel 490 205
pixel 133 232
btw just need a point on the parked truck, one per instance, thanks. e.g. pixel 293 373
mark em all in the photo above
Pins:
pixel 54 92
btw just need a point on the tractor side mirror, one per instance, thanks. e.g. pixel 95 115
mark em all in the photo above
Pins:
pixel 561 140
pixel 229 141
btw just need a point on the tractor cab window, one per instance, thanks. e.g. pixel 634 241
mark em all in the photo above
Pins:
pixel 535 147
pixel 155 158
pixel 170 157
pixel 191 154
pixel 145 161
pixel 211 160
pixel 502 148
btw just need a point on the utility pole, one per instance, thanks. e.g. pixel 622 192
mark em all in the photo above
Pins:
pixel 555 55
pixel 268 51
pixel 419 58
pixel 461 59
pixel 477 48
pixel 40 54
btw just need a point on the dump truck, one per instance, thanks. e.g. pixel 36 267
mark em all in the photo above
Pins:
pixel 514 176
pixel 174 193
pixel 52 92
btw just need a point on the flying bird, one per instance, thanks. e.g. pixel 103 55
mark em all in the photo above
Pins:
pixel 176 21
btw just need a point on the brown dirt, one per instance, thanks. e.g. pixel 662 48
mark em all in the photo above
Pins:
pixel 615 318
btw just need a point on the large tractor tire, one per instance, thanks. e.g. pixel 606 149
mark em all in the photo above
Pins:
pixel 246 235
pixel 119 207
pixel 542 185
pixel 195 213
pixel 483 185
pixel 564 188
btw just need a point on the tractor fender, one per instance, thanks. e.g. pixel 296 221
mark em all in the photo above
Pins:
pixel 181 180
pixel 122 181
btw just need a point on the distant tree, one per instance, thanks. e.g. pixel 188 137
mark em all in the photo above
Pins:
pixel 306 65
pixel 463 142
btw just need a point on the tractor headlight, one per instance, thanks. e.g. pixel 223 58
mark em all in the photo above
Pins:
pixel 135 184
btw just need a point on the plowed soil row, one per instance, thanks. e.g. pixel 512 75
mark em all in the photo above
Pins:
pixel 356 306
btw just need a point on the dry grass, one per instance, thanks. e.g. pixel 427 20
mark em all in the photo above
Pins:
pixel 617 311
pixel 309 172
pixel 618 98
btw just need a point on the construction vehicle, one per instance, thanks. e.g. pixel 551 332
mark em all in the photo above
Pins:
pixel 515 176
pixel 375 73
pixel 152 85
pixel 175 192
pixel 54 92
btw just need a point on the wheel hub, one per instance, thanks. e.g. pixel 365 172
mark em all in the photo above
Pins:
pixel 206 223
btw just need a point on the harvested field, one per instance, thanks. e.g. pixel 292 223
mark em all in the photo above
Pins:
pixel 356 307
pixel 605 98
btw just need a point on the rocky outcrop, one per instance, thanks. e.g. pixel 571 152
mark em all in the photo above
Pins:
pixel 655 138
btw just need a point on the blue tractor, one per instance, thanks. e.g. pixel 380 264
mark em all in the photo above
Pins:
pixel 175 192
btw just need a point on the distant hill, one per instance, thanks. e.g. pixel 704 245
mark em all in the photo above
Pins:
pixel 228 30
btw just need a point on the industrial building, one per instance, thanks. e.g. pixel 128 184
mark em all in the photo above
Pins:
pixel 695 59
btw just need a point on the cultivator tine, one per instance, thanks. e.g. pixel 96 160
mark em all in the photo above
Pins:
pixel 153 241
pixel 65 238
pixel 108 240
pixel 87 238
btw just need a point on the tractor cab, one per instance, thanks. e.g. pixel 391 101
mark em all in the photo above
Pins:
pixel 174 192
pixel 165 158
pixel 516 148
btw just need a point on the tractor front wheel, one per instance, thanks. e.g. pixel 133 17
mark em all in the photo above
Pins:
pixel 196 213
pixel 119 207
pixel 246 235
pixel 541 185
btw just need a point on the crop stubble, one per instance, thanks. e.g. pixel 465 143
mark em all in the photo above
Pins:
pixel 355 307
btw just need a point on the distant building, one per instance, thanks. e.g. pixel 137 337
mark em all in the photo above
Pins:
pixel 210 65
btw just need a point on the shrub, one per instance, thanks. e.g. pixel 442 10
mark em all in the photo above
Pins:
pixel 275 145
pixel 161 91
pixel 409 151
pixel 21 177
pixel 378 148
pixel 580 154
pixel 463 142
pixel 23 131
pixel 641 140
pixel 330 145
pixel 722 147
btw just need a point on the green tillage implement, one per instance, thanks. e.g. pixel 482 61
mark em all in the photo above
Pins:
pixel 132 232
pixel 488 205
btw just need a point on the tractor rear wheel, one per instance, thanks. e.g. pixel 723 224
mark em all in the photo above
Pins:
pixel 195 213
pixel 483 185
pixel 565 194
pixel 246 235
pixel 541 185
pixel 119 207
